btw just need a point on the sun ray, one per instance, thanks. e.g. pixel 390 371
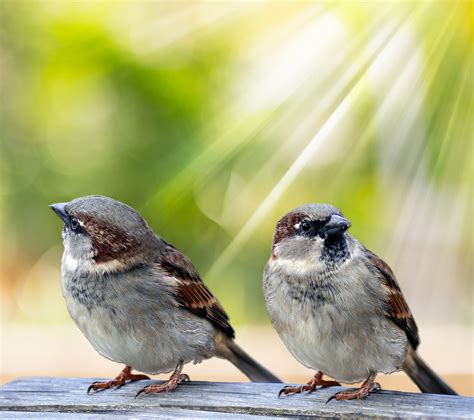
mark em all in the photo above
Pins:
pixel 426 201
pixel 321 109
pixel 299 163
pixel 231 140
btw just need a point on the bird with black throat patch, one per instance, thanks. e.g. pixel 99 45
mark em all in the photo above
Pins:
pixel 338 307
pixel 138 300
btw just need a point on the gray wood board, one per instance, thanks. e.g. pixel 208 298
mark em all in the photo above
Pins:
pixel 58 397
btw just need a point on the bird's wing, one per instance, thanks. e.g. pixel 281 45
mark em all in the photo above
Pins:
pixel 191 292
pixel 396 307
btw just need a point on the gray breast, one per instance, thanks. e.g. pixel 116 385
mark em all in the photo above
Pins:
pixel 88 290
pixel 333 320
pixel 132 318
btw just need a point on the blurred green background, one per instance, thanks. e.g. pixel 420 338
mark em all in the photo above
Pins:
pixel 214 119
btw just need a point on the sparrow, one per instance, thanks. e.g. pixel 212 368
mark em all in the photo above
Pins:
pixel 138 300
pixel 338 307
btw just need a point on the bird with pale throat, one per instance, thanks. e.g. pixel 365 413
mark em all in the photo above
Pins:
pixel 139 300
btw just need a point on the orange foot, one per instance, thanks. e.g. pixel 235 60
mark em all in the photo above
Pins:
pixel 367 387
pixel 119 381
pixel 315 381
pixel 176 378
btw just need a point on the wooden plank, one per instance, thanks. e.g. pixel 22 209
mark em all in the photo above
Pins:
pixel 59 397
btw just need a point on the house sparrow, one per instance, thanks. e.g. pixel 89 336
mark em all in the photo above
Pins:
pixel 139 300
pixel 337 306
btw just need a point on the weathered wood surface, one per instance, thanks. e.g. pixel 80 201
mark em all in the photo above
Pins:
pixel 61 397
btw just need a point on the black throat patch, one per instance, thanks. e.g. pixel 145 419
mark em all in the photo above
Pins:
pixel 335 250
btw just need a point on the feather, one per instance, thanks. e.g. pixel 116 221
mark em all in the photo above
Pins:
pixel 191 292
pixel 396 307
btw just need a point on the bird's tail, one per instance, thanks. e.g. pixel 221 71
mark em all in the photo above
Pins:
pixel 231 351
pixel 424 377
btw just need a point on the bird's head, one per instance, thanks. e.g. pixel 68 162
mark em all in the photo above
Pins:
pixel 102 233
pixel 308 229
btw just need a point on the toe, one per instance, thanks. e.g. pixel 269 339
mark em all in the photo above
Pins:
pixel 290 390
pixel 338 396
pixel 309 389
pixel 98 386
pixel 117 385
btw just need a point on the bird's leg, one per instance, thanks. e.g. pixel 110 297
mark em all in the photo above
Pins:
pixel 367 387
pixel 125 375
pixel 316 380
pixel 176 378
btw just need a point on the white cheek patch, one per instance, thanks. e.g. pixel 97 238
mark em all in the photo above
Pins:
pixel 70 263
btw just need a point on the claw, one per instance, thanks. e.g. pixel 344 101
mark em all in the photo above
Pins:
pixel 331 398
pixel 140 392
pixel 311 386
pixel 176 378
pixel 289 389
pixel 281 391
pixel 107 385
pixel 118 382
pixel 92 386
pixel 367 387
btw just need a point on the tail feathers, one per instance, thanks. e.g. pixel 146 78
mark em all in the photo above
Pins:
pixel 424 377
pixel 242 361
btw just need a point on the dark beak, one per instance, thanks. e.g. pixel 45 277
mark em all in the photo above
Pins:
pixel 336 225
pixel 60 210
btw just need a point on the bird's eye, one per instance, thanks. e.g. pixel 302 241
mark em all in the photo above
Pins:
pixel 75 225
pixel 305 226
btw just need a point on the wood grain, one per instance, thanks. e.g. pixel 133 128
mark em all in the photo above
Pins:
pixel 60 397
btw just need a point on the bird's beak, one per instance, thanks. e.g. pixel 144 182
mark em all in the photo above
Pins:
pixel 60 210
pixel 336 225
